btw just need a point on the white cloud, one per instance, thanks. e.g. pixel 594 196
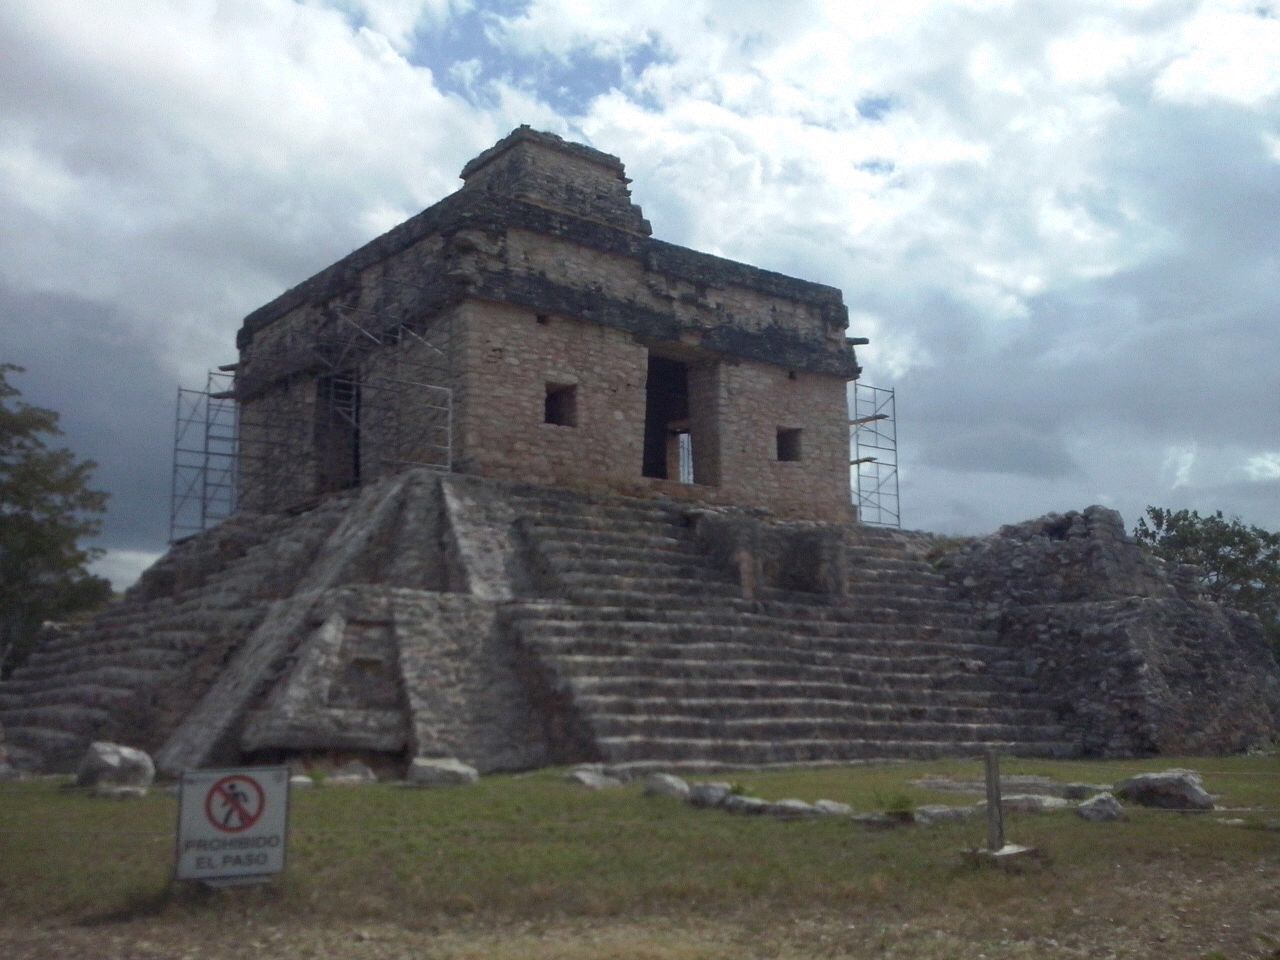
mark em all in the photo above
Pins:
pixel 123 567
pixel 1263 466
pixel 1054 219
pixel 1229 51
pixel 398 20
pixel 1178 464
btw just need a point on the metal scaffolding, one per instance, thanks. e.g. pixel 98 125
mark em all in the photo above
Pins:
pixel 873 441
pixel 318 408
pixel 202 491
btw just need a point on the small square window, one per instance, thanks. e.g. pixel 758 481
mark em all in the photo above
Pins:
pixel 561 406
pixel 789 444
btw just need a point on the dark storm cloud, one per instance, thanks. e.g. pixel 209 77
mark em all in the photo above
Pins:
pixel 115 399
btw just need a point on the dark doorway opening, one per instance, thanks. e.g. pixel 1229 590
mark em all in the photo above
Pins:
pixel 337 432
pixel 666 421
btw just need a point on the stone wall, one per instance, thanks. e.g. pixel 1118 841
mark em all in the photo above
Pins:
pixel 508 359
pixel 1138 658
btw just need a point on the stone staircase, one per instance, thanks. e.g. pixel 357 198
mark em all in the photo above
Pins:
pixel 130 673
pixel 662 663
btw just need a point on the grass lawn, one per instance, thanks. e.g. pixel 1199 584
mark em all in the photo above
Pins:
pixel 534 867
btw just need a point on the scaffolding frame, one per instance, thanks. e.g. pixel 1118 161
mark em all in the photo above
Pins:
pixel 376 377
pixel 202 490
pixel 873 441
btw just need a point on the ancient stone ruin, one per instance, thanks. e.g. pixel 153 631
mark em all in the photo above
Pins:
pixel 519 485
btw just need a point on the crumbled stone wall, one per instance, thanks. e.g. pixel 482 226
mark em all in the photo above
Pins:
pixel 767 555
pixel 554 173
pixel 695 306
pixel 1138 658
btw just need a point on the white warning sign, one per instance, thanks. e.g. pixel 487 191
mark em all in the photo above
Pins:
pixel 233 825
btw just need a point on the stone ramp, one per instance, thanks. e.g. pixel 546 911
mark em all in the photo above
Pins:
pixel 132 672
pixel 662 662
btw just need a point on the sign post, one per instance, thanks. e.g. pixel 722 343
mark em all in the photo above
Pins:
pixel 233 825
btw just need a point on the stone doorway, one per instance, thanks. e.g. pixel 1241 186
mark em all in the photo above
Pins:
pixel 337 432
pixel 668 443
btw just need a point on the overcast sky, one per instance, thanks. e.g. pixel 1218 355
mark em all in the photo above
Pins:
pixel 1057 220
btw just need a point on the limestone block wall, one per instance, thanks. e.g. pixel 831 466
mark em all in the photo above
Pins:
pixel 278 466
pixel 507 358
pixel 1140 660
pixel 755 402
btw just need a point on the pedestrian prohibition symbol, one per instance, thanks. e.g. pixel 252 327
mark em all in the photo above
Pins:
pixel 235 803
pixel 233 824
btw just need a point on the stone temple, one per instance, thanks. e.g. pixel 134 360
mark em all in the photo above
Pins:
pixel 521 485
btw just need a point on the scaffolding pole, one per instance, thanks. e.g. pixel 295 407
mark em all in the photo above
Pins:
pixel 296 399
pixel 873 466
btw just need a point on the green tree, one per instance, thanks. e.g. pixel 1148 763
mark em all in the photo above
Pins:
pixel 1239 564
pixel 46 509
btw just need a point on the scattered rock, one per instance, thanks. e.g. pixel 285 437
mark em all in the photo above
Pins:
pixel 106 767
pixel 708 794
pixel 1030 803
pixel 353 774
pixel 1083 791
pixel 736 803
pixel 929 814
pixel 1100 809
pixel 1170 789
pixel 831 808
pixel 665 785
pixel 791 809
pixel 1016 784
pixel 440 772
pixel 592 779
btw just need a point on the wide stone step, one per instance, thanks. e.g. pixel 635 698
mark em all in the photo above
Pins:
pixel 885 656
pixel 57 748
pixel 658 539
pixel 890 592
pixel 697 753
pixel 87 663
pixel 163 641
pixel 132 678
pixel 569 667
pixel 626 687
pixel 848 708
pixel 90 695
pixel 640 602
pixel 891 570
pixel 772 729
pixel 714 617
pixel 626 650
pixel 574 569
pixel 577 506
pixel 73 718
pixel 590 524
pixel 888 639
pixel 657 549
pixel 652 589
